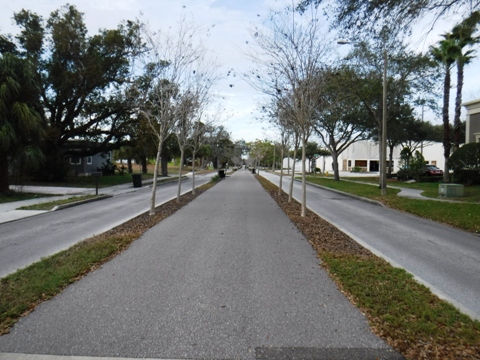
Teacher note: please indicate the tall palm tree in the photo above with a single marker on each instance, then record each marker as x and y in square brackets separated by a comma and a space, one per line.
[463, 36]
[445, 54]
[20, 125]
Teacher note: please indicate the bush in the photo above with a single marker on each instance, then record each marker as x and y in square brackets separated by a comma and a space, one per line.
[356, 169]
[465, 163]
[412, 165]
[108, 168]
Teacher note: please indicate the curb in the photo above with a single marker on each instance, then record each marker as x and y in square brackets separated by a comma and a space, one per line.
[76, 203]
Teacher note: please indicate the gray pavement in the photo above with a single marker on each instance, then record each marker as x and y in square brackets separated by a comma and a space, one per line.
[228, 276]
[9, 212]
[443, 258]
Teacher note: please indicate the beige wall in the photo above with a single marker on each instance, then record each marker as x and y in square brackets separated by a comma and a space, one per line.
[473, 121]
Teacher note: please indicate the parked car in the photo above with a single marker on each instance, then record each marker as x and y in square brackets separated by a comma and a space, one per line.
[432, 170]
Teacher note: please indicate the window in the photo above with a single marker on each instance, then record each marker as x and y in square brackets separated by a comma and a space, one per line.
[76, 160]
[361, 163]
[349, 163]
[89, 160]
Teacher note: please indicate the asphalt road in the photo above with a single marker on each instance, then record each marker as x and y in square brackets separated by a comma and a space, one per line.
[441, 257]
[228, 276]
[26, 241]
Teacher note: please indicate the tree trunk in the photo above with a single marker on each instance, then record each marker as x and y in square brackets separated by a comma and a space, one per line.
[4, 188]
[144, 165]
[290, 191]
[458, 106]
[390, 160]
[304, 177]
[193, 172]
[180, 170]
[164, 165]
[381, 159]
[336, 174]
[129, 165]
[155, 176]
[281, 172]
[446, 124]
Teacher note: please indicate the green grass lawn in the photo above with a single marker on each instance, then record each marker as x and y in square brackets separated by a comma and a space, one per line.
[464, 216]
[430, 189]
[88, 181]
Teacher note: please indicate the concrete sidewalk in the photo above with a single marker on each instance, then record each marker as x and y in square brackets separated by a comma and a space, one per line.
[228, 276]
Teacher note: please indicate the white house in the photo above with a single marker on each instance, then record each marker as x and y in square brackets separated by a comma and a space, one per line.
[365, 155]
[472, 131]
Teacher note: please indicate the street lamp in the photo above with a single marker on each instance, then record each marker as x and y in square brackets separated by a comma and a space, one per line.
[383, 157]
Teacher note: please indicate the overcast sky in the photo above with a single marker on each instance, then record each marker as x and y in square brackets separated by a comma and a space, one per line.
[229, 37]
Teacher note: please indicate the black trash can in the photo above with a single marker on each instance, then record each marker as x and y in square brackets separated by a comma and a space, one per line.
[221, 174]
[253, 171]
[137, 180]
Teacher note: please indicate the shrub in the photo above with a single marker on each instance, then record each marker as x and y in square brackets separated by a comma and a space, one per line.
[412, 166]
[108, 168]
[465, 163]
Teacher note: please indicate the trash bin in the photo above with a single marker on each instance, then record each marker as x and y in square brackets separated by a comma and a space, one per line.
[253, 171]
[221, 174]
[137, 180]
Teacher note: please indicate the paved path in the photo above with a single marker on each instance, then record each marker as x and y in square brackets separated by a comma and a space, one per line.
[228, 276]
[441, 257]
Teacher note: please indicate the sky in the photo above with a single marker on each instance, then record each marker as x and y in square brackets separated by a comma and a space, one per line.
[230, 37]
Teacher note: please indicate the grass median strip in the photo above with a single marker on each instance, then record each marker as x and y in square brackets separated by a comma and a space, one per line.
[23, 290]
[51, 204]
[465, 216]
[401, 311]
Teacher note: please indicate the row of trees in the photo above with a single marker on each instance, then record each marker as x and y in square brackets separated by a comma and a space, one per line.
[59, 84]
[340, 101]
[128, 88]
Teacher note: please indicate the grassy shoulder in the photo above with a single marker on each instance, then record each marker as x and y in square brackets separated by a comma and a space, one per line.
[47, 206]
[23, 290]
[401, 311]
[464, 216]
[430, 189]
[20, 196]
[89, 181]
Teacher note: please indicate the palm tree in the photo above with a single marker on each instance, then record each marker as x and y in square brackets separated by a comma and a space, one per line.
[445, 54]
[462, 35]
[20, 125]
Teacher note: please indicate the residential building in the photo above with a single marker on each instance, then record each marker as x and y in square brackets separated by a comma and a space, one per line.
[472, 131]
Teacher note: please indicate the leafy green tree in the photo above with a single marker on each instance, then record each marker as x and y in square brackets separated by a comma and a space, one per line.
[20, 121]
[81, 80]
[409, 75]
[465, 163]
[463, 36]
[341, 119]
[445, 54]
[358, 15]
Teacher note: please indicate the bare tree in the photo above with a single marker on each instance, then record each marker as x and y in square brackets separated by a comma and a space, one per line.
[167, 72]
[202, 78]
[289, 56]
